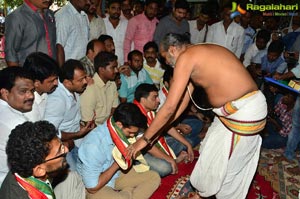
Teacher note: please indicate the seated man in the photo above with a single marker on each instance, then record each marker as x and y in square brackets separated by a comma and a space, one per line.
[34, 152]
[146, 98]
[63, 107]
[16, 98]
[151, 63]
[101, 174]
[93, 48]
[267, 66]
[45, 73]
[138, 75]
[279, 123]
[100, 99]
[259, 46]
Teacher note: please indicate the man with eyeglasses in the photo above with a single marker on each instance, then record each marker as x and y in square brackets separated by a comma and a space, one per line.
[34, 154]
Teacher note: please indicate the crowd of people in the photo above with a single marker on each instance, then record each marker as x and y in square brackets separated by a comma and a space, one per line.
[100, 104]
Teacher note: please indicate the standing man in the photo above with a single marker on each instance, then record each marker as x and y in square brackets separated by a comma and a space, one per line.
[141, 28]
[34, 152]
[100, 99]
[17, 96]
[173, 23]
[96, 23]
[230, 150]
[72, 30]
[199, 27]
[227, 33]
[63, 107]
[116, 27]
[30, 28]
[45, 72]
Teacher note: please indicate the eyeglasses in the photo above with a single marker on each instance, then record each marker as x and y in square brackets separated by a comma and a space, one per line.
[62, 149]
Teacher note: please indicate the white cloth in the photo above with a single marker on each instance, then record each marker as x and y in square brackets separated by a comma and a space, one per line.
[196, 35]
[9, 119]
[233, 39]
[72, 31]
[217, 174]
[118, 35]
[162, 98]
[63, 110]
[38, 107]
[251, 53]
[97, 28]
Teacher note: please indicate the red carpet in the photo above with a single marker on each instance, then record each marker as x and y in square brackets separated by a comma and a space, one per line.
[171, 185]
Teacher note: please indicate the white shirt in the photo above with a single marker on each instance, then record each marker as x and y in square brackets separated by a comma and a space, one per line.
[38, 107]
[63, 110]
[233, 40]
[118, 36]
[251, 53]
[9, 119]
[72, 31]
[196, 35]
[97, 28]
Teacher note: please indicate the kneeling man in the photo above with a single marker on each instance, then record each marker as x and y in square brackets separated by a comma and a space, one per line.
[102, 175]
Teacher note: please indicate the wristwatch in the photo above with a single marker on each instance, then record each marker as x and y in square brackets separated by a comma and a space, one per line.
[148, 141]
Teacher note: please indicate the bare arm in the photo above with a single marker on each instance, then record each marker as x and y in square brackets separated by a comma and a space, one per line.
[173, 132]
[10, 63]
[182, 72]
[104, 178]
[76, 135]
[60, 54]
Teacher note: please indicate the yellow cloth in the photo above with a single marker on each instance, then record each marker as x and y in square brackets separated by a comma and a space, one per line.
[156, 73]
[142, 167]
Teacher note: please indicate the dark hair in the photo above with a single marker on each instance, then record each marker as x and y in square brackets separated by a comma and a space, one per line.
[90, 45]
[183, 4]
[41, 66]
[9, 75]
[113, 1]
[172, 39]
[276, 46]
[227, 5]
[67, 70]
[264, 34]
[168, 74]
[103, 38]
[147, 2]
[28, 146]
[132, 53]
[205, 10]
[130, 115]
[150, 44]
[143, 90]
[103, 59]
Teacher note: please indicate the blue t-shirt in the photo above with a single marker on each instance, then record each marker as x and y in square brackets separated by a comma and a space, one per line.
[130, 83]
[94, 156]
